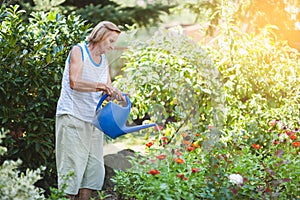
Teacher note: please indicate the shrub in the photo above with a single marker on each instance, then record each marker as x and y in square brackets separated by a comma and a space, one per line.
[172, 81]
[32, 61]
[17, 185]
[258, 151]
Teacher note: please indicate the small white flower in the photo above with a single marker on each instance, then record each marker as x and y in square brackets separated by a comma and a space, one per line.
[236, 178]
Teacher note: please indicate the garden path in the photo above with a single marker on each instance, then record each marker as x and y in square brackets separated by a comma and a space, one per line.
[112, 147]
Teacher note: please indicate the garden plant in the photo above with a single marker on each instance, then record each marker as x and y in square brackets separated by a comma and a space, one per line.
[227, 111]
[228, 114]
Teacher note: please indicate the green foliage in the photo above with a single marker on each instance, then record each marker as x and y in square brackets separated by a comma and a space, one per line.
[186, 170]
[258, 138]
[95, 11]
[32, 61]
[260, 77]
[16, 185]
[142, 16]
[21, 185]
[174, 80]
[250, 15]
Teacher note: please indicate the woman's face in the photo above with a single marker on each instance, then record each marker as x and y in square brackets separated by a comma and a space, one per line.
[109, 43]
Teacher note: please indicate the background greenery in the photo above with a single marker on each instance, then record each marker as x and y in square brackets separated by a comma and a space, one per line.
[243, 75]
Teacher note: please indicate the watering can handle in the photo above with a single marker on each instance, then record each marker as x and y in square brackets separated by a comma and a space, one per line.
[106, 95]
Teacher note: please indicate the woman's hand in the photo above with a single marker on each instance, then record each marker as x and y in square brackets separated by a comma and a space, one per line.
[112, 92]
[118, 95]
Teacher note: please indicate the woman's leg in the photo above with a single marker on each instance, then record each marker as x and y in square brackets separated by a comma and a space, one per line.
[85, 194]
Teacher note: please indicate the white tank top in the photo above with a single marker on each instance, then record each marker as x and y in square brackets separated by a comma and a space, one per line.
[82, 104]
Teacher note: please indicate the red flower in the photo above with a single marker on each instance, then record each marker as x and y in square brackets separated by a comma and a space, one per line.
[293, 137]
[256, 146]
[149, 144]
[181, 176]
[164, 138]
[161, 157]
[275, 142]
[178, 153]
[195, 170]
[179, 160]
[143, 162]
[197, 134]
[154, 172]
[190, 148]
[296, 144]
[210, 127]
[158, 128]
[268, 189]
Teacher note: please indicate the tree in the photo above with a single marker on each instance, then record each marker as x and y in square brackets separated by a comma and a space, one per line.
[252, 16]
[94, 11]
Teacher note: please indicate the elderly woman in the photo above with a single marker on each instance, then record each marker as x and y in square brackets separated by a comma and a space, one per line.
[79, 145]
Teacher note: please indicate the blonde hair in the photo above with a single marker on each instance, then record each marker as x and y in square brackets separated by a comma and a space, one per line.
[101, 31]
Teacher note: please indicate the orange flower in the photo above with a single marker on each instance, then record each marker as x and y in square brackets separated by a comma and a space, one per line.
[149, 144]
[196, 145]
[296, 144]
[186, 142]
[153, 172]
[179, 160]
[184, 135]
[195, 170]
[197, 134]
[161, 157]
[190, 148]
[293, 137]
[256, 146]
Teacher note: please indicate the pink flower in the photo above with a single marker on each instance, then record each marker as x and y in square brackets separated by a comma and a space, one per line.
[272, 122]
[178, 153]
[161, 157]
[158, 128]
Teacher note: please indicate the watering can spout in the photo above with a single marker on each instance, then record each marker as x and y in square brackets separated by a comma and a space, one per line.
[111, 119]
[129, 129]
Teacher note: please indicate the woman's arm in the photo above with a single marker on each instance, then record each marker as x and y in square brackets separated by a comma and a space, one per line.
[76, 81]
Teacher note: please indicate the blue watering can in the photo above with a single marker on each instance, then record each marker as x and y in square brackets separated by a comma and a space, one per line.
[111, 119]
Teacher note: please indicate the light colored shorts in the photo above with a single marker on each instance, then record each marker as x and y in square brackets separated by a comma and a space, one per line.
[79, 149]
